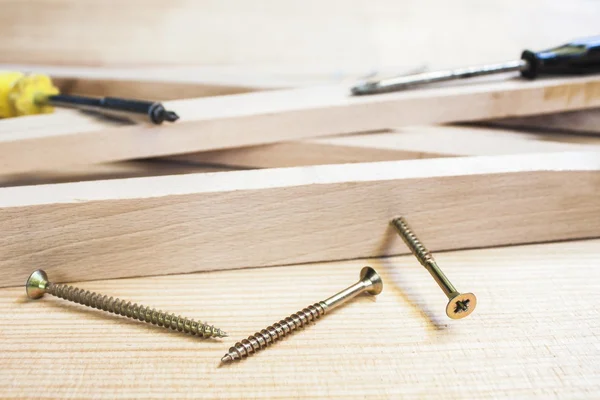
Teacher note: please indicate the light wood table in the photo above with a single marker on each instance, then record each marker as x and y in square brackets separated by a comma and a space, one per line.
[535, 333]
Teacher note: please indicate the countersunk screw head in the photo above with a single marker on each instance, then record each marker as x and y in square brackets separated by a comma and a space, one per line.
[36, 284]
[375, 284]
[461, 305]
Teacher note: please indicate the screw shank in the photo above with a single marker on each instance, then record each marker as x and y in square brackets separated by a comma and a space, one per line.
[133, 311]
[369, 281]
[411, 240]
[424, 256]
[345, 295]
[271, 334]
[441, 279]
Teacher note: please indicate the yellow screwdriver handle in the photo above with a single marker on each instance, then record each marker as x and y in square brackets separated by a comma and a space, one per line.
[22, 94]
[8, 80]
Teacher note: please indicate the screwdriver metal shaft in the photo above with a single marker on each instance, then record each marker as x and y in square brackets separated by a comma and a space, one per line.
[408, 81]
[575, 58]
[154, 111]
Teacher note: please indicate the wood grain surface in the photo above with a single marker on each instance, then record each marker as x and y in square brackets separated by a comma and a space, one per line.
[534, 334]
[224, 220]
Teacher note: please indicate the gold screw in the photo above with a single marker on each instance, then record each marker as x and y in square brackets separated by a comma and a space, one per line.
[369, 282]
[459, 305]
[37, 285]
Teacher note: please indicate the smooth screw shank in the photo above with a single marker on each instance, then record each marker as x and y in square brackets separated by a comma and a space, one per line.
[38, 284]
[369, 282]
[459, 305]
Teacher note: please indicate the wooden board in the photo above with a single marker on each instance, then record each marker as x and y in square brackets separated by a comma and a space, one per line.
[399, 144]
[217, 77]
[147, 83]
[165, 225]
[533, 334]
[143, 90]
[52, 141]
[469, 141]
[122, 170]
[301, 153]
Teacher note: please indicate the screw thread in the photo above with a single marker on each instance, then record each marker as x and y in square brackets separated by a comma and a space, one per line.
[134, 311]
[271, 334]
[411, 240]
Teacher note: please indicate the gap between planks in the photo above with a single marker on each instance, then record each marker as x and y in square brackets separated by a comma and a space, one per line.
[398, 144]
[587, 121]
[119, 170]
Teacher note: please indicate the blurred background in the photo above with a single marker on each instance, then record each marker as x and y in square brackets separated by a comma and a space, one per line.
[287, 40]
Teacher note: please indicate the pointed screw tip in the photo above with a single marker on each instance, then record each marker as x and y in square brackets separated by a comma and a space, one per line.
[226, 359]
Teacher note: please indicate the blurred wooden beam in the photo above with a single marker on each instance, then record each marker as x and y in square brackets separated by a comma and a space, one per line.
[399, 144]
[144, 90]
[52, 141]
[586, 121]
[159, 84]
[120, 170]
[301, 153]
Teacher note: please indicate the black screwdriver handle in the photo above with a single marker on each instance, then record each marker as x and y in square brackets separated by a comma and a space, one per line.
[579, 57]
[155, 111]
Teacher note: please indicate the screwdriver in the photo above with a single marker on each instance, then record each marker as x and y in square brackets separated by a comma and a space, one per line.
[22, 94]
[578, 57]
[156, 112]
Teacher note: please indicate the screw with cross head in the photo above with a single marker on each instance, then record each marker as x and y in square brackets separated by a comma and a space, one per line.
[369, 282]
[37, 285]
[459, 305]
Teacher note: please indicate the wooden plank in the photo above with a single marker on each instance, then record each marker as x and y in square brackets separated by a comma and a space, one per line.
[143, 90]
[122, 170]
[399, 144]
[301, 153]
[176, 224]
[469, 141]
[146, 83]
[533, 335]
[587, 121]
[53, 141]
[243, 78]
